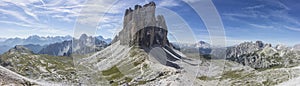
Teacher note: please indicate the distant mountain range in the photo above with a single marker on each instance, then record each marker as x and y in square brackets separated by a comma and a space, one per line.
[200, 47]
[2, 39]
[35, 48]
[108, 40]
[37, 40]
[297, 47]
[85, 44]
[31, 40]
[37, 43]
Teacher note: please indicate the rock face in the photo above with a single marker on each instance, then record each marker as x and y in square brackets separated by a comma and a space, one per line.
[260, 55]
[141, 27]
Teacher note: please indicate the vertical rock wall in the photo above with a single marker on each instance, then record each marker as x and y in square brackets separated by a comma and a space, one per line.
[141, 27]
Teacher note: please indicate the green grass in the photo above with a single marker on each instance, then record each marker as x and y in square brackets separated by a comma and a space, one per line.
[268, 83]
[112, 73]
[232, 74]
[142, 82]
[127, 79]
[205, 78]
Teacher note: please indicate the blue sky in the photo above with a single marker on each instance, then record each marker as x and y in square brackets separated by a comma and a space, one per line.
[272, 21]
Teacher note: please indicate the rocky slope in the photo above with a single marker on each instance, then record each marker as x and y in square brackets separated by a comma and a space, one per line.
[123, 65]
[140, 55]
[260, 55]
[39, 67]
[9, 78]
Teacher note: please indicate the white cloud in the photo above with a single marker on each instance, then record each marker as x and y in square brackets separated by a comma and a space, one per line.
[168, 3]
[236, 15]
[28, 12]
[191, 1]
[292, 28]
[106, 13]
[281, 4]
[23, 33]
[24, 5]
[262, 26]
[15, 14]
[282, 16]
[21, 2]
[255, 7]
[16, 23]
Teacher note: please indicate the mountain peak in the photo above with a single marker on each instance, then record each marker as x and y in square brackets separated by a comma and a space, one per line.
[142, 28]
[83, 36]
[20, 49]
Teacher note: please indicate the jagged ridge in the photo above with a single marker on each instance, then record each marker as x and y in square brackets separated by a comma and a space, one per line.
[141, 27]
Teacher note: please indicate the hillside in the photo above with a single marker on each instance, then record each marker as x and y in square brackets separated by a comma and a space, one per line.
[39, 67]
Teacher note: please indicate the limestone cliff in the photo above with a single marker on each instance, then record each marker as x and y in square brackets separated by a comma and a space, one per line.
[141, 27]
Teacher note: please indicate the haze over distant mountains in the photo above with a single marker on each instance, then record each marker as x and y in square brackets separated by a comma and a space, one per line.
[2, 39]
[85, 44]
[35, 39]
[36, 43]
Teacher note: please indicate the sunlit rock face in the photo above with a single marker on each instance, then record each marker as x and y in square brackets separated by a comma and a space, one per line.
[141, 27]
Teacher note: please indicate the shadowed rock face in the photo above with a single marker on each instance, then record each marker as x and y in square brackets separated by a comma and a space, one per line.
[150, 36]
[141, 27]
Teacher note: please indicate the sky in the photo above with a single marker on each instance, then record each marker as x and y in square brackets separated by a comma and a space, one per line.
[272, 21]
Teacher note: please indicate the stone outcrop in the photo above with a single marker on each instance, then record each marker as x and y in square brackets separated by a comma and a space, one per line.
[141, 27]
[261, 55]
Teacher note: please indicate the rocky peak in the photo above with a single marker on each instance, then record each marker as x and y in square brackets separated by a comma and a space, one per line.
[297, 47]
[142, 27]
[83, 37]
[20, 49]
[34, 37]
[260, 44]
[203, 44]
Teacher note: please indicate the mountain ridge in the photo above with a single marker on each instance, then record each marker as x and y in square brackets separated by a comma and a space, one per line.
[37, 43]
